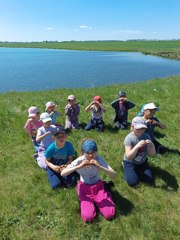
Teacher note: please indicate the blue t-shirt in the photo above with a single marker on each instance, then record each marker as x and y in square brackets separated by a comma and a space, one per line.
[59, 156]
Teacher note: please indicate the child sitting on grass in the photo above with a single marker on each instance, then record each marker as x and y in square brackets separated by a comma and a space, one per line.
[45, 138]
[58, 155]
[147, 112]
[90, 188]
[50, 108]
[137, 145]
[97, 111]
[72, 110]
[31, 126]
[121, 107]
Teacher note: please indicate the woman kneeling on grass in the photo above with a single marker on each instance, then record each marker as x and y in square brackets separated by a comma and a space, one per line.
[90, 188]
[137, 146]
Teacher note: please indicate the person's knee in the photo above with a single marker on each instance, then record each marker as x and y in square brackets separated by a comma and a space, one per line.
[108, 215]
[132, 182]
[88, 217]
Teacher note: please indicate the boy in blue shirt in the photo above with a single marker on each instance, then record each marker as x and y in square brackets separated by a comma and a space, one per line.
[58, 155]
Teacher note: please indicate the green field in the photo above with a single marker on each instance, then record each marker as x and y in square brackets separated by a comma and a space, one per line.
[31, 210]
[169, 49]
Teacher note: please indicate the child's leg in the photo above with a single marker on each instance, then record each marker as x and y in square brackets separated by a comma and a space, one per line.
[41, 160]
[130, 174]
[159, 148]
[89, 126]
[88, 212]
[144, 173]
[103, 200]
[100, 125]
[54, 179]
[68, 124]
[75, 124]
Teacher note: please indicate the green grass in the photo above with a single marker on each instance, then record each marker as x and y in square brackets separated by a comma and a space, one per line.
[31, 210]
[169, 49]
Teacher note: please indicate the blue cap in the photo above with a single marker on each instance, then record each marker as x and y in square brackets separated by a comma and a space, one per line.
[89, 146]
[122, 93]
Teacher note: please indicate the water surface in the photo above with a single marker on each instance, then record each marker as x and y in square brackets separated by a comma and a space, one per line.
[23, 69]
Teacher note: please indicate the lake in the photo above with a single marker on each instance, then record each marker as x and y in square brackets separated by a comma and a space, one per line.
[23, 69]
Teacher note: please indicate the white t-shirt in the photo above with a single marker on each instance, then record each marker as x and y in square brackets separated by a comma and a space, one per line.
[89, 174]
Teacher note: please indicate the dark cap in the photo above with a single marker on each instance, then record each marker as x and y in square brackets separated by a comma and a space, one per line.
[122, 93]
[59, 129]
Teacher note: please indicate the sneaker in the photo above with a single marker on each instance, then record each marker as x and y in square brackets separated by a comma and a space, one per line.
[35, 155]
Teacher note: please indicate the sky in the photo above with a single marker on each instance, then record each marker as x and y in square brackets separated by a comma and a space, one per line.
[83, 20]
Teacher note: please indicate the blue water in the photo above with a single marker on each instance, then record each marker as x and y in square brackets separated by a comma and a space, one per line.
[23, 69]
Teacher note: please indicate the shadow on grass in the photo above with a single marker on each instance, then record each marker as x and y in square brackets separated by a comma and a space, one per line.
[174, 151]
[159, 135]
[169, 181]
[123, 205]
[112, 129]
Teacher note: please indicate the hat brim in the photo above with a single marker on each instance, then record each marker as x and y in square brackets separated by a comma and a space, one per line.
[46, 120]
[139, 126]
[32, 115]
[63, 132]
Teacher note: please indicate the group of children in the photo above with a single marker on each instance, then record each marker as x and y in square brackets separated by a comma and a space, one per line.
[54, 153]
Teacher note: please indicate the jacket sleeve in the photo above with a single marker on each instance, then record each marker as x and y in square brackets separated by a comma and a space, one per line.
[130, 104]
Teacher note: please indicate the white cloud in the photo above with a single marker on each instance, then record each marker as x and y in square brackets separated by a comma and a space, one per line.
[128, 31]
[49, 28]
[85, 27]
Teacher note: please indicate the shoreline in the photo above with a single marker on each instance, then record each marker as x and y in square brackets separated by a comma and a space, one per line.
[167, 49]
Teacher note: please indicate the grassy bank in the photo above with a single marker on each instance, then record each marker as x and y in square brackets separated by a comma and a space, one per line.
[31, 210]
[169, 49]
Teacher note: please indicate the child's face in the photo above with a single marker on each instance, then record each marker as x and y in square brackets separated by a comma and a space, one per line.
[91, 155]
[149, 113]
[139, 132]
[71, 101]
[51, 109]
[61, 138]
[47, 124]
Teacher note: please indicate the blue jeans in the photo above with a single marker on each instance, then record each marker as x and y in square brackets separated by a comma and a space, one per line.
[96, 124]
[137, 173]
[56, 180]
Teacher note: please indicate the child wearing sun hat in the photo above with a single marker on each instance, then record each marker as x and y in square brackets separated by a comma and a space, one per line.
[147, 112]
[31, 126]
[51, 109]
[138, 145]
[72, 111]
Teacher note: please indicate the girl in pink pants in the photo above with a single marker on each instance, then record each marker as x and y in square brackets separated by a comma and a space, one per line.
[90, 187]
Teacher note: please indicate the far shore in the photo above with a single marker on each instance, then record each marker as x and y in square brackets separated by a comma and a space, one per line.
[162, 48]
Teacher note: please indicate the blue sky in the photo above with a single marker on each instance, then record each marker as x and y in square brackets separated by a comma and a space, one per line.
[66, 20]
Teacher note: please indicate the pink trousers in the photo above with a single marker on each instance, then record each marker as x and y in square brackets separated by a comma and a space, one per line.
[91, 195]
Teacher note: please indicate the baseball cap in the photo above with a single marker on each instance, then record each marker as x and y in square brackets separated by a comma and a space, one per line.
[122, 93]
[97, 99]
[45, 117]
[71, 97]
[89, 146]
[32, 111]
[50, 104]
[59, 129]
[138, 122]
[150, 106]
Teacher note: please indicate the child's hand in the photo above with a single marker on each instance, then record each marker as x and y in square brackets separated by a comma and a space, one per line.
[62, 167]
[148, 141]
[84, 163]
[141, 143]
[94, 162]
[149, 121]
[56, 169]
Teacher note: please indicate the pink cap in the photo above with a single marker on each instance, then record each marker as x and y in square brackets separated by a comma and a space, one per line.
[50, 104]
[32, 111]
